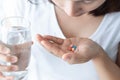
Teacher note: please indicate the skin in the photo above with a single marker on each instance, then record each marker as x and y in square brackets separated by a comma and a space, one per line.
[77, 7]
[72, 15]
[118, 57]
[76, 13]
[13, 54]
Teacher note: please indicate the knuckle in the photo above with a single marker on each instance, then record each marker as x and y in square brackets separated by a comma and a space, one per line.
[3, 57]
[12, 68]
[4, 49]
[8, 68]
[3, 68]
[11, 59]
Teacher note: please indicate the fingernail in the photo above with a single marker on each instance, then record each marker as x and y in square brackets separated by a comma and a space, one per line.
[13, 59]
[5, 50]
[43, 42]
[14, 68]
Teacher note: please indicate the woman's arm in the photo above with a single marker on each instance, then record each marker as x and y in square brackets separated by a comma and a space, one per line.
[106, 68]
[118, 57]
[86, 50]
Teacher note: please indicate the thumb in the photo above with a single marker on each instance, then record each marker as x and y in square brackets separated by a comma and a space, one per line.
[39, 38]
[73, 58]
[67, 57]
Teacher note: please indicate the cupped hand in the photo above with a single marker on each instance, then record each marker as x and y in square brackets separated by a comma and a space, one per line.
[85, 51]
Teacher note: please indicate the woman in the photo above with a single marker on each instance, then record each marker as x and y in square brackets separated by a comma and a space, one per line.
[84, 33]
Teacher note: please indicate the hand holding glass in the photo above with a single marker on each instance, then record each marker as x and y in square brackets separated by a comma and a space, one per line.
[15, 33]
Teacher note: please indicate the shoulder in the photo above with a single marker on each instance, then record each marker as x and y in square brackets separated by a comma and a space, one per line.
[113, 19]
[112, 25]
[114, 15]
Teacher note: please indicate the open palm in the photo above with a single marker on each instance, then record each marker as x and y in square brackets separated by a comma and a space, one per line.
[85, 51]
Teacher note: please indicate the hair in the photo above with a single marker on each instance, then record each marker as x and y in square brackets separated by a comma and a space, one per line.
[108, 6]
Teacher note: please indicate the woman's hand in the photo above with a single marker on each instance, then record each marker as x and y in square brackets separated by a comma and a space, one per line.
[15, 54]
[7, 57]
[85, 51]
[2, 77]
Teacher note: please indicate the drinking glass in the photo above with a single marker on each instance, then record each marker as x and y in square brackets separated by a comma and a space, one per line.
[15, 31]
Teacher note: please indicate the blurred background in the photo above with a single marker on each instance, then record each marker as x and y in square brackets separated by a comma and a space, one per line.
[6, 8]
[1, 10]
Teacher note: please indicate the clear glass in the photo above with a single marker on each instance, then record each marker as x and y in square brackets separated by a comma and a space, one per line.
[16, 31]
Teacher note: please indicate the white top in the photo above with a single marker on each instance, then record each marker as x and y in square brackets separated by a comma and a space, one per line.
[45, 66]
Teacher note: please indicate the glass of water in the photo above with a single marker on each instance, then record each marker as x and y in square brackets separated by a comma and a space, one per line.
[15, 31]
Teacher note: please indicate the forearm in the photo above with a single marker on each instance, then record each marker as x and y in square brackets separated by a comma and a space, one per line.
[106, 68]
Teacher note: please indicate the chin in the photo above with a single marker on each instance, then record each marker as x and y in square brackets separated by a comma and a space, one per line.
[77, 14]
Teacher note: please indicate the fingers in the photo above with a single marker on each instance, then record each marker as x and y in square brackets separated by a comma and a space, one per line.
[39, 38]
[6, 78]
[8, 68]
[2, 77]
[8, 59]
[73, 58]
[52, 48]
[54, 39]
[49, 38]
[11, 59]
[5, 54]
[4, 49]
[48, 43]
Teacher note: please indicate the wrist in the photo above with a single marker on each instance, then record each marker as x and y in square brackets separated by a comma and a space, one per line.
[105, 67]
[101, 56]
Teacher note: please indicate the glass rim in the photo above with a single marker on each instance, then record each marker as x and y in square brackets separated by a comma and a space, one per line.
[15, 17]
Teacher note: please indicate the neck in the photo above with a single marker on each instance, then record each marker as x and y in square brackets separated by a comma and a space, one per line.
[79, 26]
